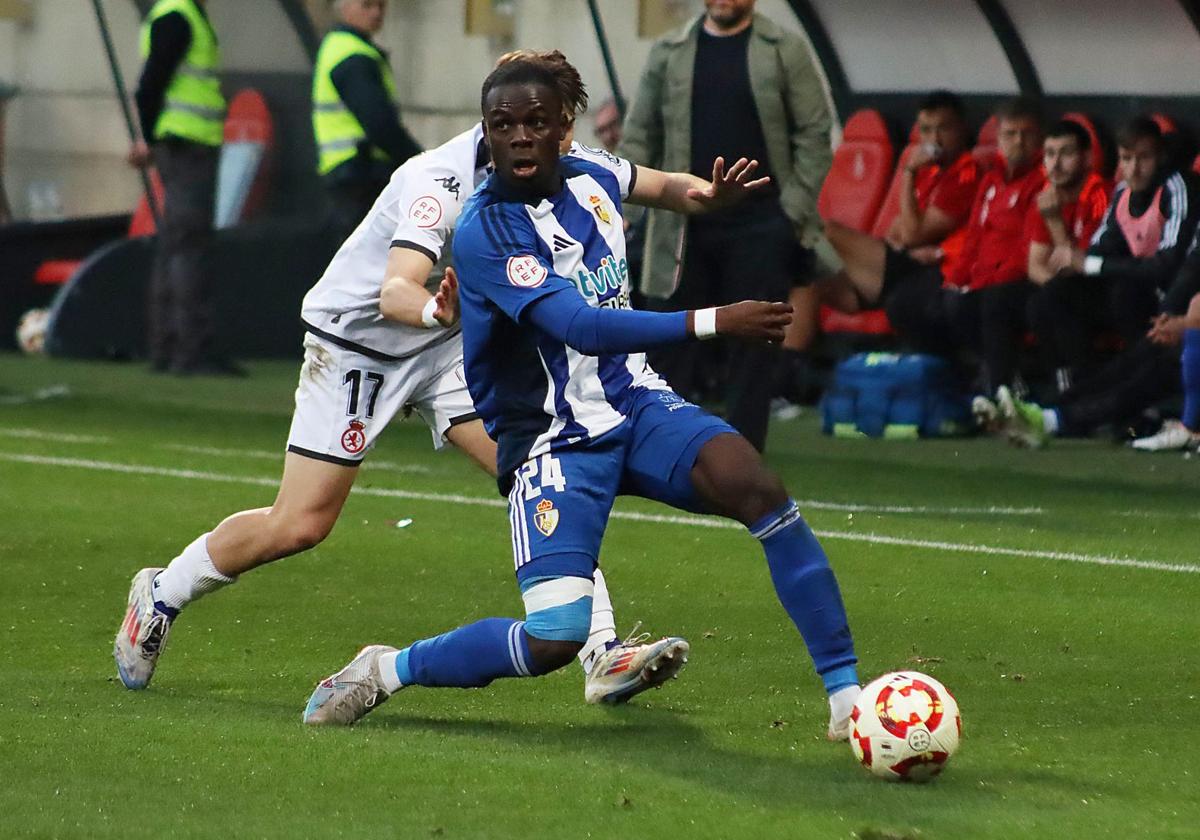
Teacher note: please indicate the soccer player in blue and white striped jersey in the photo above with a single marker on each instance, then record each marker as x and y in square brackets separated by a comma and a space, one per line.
[555, 368]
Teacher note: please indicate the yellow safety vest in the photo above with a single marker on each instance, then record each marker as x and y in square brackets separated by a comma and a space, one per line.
[194, 108]
[337, 130]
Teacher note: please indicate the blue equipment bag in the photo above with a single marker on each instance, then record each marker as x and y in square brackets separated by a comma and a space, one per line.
[895, 396]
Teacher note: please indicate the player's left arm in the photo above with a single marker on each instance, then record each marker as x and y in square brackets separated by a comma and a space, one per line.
[683, 192]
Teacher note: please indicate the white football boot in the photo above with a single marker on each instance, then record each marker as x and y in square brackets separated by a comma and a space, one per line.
[1172, 436]
[344, 697]
[634, 666]
[143, 633]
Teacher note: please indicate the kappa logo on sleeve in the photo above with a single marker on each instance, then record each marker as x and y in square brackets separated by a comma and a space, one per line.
[426, 211]
[526, 272]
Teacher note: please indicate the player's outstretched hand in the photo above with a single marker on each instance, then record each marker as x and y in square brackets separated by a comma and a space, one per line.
[447, 299]
[730, 187]
[754, 319]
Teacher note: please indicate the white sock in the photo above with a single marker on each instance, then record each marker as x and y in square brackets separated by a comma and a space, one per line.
[387, 672]
[189, 576]
[841, 702]
[604, 627]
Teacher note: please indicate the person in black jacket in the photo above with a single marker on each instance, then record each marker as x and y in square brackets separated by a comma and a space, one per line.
[1147, 371]
[1134, 256]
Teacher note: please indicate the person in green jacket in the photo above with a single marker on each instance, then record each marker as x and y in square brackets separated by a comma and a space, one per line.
[732, 84]
[360, 139]
[182, 112]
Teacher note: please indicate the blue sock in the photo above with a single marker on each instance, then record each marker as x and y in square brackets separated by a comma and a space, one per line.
[469, 657]
[1191, 379]
[809, 592]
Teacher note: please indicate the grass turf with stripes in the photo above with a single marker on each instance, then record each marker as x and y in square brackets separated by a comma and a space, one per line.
[1069, 639]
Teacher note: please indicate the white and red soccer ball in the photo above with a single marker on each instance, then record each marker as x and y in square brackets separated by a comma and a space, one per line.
[31, 331]
[905, 726]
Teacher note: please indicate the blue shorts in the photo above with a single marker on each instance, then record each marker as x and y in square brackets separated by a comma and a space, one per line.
[560, 501]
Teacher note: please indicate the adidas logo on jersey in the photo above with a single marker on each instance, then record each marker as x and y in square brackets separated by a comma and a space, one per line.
[561, 243]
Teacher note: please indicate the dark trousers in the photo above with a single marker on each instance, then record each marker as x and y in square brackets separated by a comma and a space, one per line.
[990, 322]
[350, 200]
[180, 300]
[750, 257]
[1068, 313]
[1117, 392]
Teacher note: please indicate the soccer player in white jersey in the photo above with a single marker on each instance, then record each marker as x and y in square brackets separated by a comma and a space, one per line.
[555, 365]
[375, 347]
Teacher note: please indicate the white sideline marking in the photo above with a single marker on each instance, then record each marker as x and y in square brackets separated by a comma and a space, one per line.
[420, 469]
[992, 510]
[57, 437]
[701, 521]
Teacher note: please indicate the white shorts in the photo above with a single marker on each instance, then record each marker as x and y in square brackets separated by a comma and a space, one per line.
[345, 399]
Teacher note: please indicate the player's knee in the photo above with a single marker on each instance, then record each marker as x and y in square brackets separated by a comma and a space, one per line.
[558, 618]
[300, 533]
[735, 482]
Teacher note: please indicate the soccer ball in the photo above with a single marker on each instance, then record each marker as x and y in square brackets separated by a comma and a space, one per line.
[905, 726]
[31, 331]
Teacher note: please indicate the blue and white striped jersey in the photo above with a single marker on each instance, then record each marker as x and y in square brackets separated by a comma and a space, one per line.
[535, 393]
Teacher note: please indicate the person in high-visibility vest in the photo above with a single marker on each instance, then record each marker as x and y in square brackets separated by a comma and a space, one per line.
[360, 139]
[182, 113]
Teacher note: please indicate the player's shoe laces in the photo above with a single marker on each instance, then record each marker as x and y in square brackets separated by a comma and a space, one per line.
[349, 694]
[634, 666]
[1023, 423]
[1173, 435]
[143, 633]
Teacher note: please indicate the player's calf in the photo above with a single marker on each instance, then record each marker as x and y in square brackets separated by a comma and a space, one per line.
[730, 476]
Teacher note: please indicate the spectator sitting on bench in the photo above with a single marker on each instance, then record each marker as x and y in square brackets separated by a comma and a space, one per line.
[1138, 377]
[1134, 254]
[942, 317]
[938, 184]
[1069, 210]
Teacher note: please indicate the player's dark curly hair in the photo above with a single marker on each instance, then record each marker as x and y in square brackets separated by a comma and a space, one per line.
[547, 67]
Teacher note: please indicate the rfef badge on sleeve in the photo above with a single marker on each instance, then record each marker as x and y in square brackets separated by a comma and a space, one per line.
[525, 272]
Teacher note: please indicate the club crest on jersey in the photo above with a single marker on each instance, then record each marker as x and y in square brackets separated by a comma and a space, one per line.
[599, 209]
[526, 272]
[354, 439]
[546, 518]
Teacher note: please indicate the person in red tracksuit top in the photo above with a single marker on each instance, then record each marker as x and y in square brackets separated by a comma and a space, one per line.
[942, 315]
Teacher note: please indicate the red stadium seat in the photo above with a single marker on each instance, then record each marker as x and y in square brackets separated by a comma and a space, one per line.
[1165, 124]
[867, 322]
[1098, 161]
[1196, 165]
[986, 147]
[858, 177]
[890, 208]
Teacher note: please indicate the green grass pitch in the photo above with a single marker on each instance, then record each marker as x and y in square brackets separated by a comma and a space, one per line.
[1055, 593]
